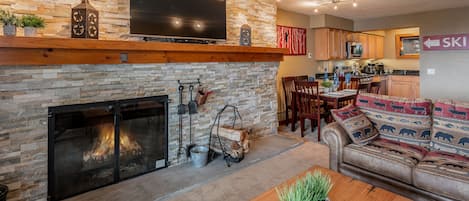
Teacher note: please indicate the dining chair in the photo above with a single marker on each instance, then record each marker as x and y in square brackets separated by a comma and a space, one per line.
[288, 84]
[375, 87]
[362, 87]
[353, 83]
[309, 105]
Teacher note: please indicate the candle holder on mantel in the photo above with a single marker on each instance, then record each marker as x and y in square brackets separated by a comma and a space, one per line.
[85, 21]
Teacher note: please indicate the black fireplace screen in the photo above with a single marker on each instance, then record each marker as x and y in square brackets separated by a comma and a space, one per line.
[97, 144]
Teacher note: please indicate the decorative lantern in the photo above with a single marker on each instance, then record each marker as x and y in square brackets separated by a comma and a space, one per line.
[85, 21]
[245, 35]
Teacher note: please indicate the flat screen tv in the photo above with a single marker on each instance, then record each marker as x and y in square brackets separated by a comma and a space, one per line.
[180, 19]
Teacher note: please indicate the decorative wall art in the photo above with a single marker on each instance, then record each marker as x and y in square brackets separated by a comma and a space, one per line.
[292, 38]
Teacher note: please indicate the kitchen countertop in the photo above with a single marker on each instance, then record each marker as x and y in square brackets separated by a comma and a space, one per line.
[363, 75]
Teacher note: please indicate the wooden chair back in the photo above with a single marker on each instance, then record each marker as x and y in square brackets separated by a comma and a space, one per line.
[353, 84]
[307, 99]
[375, 87]
[362, 87]
[288, 84]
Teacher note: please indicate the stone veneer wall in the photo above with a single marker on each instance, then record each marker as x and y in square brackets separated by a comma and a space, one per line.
[27, 92]
[115, 15]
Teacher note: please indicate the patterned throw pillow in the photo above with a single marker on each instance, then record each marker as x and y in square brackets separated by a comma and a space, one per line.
[358, 127]
[451, 127]
[400, 119]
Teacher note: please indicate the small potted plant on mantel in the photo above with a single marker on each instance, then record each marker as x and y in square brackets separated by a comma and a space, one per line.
[10, 21]
[31, 23]
[313, 187]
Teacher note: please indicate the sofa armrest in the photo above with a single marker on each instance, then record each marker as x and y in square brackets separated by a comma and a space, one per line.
[336, 138]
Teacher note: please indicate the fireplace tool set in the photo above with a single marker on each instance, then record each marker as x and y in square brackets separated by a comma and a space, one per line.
[190, 108]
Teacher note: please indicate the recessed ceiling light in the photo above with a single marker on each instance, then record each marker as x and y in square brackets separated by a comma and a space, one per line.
[336, 7]
[355, 4]
[316, 10]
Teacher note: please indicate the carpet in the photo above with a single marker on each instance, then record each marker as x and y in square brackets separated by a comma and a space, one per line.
[252, 181]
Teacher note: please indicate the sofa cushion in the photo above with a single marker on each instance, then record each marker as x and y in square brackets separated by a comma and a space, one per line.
[451, 127]
[356, 124]
[445, 174]
[386, 157]
[399, 119]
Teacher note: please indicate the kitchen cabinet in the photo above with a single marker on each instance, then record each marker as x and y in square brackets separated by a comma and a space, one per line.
[372, 46]
[363, 38]
[404, 86]
[379, 47]
[329, 44]
[353, 37]
[321, 44]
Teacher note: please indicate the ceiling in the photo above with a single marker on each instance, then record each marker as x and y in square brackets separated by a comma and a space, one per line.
[368, 8]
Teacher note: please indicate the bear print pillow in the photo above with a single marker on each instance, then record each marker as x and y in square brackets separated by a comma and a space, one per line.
[357, 125]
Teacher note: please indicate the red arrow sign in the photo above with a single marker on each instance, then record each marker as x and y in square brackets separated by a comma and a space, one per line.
[446, 42]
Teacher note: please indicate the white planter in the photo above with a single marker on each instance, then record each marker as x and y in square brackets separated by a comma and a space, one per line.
[30, 31]
[9, 30]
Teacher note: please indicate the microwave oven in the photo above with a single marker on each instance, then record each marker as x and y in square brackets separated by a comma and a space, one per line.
[354, 50]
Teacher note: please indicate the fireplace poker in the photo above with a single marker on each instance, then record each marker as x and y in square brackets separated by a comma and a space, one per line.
[192, 110]
[181, 111]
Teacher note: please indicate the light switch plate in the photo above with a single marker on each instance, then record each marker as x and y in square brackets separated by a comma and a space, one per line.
[310, 55]
[431, 71]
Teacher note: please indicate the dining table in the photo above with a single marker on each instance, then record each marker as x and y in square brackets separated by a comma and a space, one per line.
[331, 100]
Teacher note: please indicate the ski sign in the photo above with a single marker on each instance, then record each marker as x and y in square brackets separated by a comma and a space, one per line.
[446, 42]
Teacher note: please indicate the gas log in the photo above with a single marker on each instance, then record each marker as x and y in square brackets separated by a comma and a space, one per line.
[234, 141]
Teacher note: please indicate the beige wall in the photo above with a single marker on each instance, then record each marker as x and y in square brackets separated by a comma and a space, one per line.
[390, 60]
[294, 65]
[115, 16]
[451, 66]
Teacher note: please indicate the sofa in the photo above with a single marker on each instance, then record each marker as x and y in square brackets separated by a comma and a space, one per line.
[421, 149]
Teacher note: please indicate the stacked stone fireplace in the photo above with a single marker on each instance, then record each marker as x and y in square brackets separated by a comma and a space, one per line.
[28, 94]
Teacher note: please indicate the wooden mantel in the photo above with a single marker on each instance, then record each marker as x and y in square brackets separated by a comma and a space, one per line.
[55, 51]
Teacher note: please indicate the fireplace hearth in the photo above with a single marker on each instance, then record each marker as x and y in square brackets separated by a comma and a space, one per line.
[97, 144]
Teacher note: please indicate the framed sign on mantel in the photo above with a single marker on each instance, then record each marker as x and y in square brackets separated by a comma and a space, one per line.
[293, 38]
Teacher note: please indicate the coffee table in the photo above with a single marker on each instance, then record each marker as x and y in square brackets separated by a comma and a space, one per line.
[344, 189]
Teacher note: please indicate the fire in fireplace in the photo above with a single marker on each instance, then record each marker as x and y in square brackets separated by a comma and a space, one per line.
[97, 144]
[103, 146]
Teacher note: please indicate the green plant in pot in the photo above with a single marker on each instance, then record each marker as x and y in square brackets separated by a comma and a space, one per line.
[313, 187]
[10, 21]
[327, 85]
[31, 23]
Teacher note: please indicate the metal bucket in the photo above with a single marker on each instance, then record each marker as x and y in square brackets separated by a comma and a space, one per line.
[199, 156]
[3, 192]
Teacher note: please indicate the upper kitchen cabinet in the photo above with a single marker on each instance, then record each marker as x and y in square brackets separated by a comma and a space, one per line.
[371, 46]
[363, 39]
[379, 47]
[329, 44]
[375, 47]
[353, 37]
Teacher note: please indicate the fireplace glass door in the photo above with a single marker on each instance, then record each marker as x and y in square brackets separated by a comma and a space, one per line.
[84, 153]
